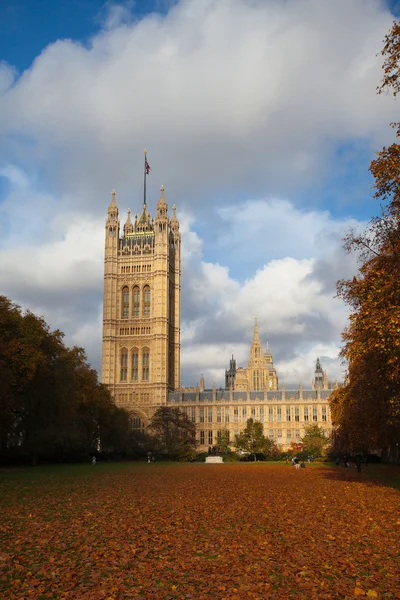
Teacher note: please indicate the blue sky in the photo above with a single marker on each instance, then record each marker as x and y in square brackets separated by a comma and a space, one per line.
[260, 118]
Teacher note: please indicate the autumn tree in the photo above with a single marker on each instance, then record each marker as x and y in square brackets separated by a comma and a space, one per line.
[174, 434]
[252, 440]
[366, 411]
[314, 440]
[51, 404]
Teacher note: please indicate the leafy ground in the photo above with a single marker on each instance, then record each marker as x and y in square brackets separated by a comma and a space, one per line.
[197, 531]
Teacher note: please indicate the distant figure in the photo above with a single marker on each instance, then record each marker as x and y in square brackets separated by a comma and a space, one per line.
[93, 460]
[358, 463]
[297, 466]
[337, 461]
[287, 460]
[303, 465]
[209, 450]
[149, 457]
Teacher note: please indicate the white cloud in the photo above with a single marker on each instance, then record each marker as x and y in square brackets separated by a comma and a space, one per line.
[233, 99]
[228, 93]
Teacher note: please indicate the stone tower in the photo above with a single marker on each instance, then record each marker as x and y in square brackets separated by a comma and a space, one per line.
[260, 373]
[320, 380]
[141, 317]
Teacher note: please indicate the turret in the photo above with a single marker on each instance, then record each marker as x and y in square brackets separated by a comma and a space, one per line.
[128, 227]
[112, 223]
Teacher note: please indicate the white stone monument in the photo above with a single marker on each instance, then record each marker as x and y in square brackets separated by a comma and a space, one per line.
[214, 459]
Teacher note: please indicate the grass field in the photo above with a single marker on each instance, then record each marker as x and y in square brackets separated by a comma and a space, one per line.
[193, 531]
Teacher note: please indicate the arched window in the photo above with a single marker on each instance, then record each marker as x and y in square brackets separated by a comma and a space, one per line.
[124, 365]
[137, 423]
[146, 364]
[136, 301]
[135, 365]
[146, 301]
[125, 303]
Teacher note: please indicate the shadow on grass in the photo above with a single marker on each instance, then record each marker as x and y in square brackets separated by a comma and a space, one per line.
[381, 475]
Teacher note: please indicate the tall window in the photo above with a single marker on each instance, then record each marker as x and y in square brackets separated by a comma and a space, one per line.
[306, 413]
[124, 364]
[314, 414]
[262, 414]
[271, 435]
[136, 302]
[202, 436]
[125, 302]
[146, 301]
[135, 365]
[270, 415]
[210, 437]
[288, 414]
[244, 415]
[202, 415]
[297, 436]
[279, 415]
[146, 364]
[297, 414]
[219, 419]
[209, 418]
[288, 436]
[279, 436]
[324, 413]
[227, 415]
[193, 415]
[253, 414]
[235, 415]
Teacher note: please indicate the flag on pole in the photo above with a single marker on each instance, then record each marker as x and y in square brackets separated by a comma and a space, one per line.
[147, 166]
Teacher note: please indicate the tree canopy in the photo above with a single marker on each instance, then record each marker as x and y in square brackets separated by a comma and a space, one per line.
[174, 434]
[314, 440]
[51, 404]
[366, 411]
[253, 441]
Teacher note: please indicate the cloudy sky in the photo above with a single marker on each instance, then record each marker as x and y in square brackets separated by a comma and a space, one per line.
[260, 117]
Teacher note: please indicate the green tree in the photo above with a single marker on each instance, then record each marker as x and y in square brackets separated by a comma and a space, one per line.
[174, 434]
[252, 440]
[314, 440]
[223, 442]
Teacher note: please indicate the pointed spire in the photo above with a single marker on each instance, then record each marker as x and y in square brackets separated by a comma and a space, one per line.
[113, 208]
[174, 220]
[268, 353]
[162, 206]
[256, 337]
[128, 227]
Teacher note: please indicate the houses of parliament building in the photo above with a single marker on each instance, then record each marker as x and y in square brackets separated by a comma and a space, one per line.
[141, 344]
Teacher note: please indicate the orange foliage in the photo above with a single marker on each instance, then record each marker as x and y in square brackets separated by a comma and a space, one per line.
[199, 531]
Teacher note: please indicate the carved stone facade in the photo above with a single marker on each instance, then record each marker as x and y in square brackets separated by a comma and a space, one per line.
[141, 344]
[141, 314]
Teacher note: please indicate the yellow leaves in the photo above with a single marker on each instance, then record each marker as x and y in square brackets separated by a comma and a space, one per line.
[360, 592]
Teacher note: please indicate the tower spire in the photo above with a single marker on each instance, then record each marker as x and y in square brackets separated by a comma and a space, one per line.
[256, 336]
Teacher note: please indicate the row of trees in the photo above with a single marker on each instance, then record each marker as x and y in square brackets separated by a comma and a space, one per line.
[253, 442]
[366, 411]
[51, 404]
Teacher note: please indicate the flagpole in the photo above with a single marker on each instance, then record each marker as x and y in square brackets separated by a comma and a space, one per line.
[144, 186]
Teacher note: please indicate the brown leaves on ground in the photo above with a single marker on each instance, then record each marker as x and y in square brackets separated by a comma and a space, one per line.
[198, 531]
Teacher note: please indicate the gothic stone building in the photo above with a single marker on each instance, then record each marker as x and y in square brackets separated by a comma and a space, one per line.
[141, 344]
